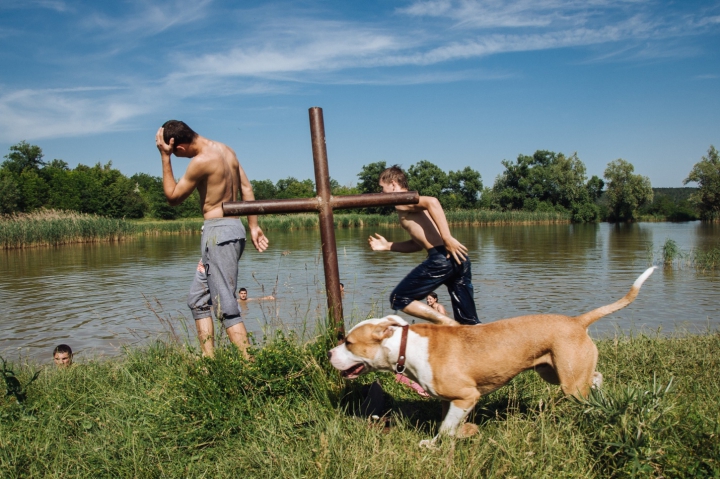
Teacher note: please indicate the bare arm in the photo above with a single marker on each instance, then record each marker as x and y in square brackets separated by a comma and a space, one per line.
[453, 246]
[175, 192]
[379, 243]
[259, 240]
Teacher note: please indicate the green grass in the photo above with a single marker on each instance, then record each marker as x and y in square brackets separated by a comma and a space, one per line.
[53, 228]
[162, 411]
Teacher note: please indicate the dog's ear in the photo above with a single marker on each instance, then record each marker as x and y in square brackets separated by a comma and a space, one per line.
[383, 330]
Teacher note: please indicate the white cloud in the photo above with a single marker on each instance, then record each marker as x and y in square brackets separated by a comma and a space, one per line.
[275, 51]
[33, 114]
[56, 5]
[149, 17]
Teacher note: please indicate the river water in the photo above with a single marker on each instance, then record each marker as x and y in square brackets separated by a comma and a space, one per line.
[100, 298]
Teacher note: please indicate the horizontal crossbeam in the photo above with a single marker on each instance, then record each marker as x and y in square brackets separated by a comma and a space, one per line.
[305, 205]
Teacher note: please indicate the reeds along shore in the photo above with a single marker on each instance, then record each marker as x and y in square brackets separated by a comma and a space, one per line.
[162, 411]
[51, 228]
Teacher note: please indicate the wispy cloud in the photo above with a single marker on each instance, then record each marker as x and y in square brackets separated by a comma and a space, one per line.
[34, 114]
[56, 5]
[149, 18]
[277, 49]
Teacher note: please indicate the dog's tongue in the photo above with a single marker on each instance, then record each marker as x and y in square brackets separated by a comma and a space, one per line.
[354, 371]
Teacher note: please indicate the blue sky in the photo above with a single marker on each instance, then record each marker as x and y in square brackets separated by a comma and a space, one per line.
[458, 83]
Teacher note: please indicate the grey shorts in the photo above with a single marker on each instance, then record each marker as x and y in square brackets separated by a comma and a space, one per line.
[214, 287]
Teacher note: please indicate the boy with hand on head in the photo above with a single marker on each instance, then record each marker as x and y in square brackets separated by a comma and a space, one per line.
[447, 262]
[215, 172]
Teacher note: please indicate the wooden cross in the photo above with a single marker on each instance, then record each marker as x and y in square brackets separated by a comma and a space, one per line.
[323, 203]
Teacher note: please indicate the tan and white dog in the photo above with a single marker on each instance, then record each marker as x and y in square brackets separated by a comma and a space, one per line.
[458, 364]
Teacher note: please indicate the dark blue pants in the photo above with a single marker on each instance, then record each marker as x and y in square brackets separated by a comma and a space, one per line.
[436, 270]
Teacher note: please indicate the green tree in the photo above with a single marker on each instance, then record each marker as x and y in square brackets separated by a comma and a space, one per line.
[595, 186]
[626, 192]
[368, 183]
[150, 189]
[369, 176]
[546, 181]
[33, 189]
[464, 187]
[22, 157]
[264, 189]
[9, 193]
[427, 179]
[291, 187]
[342, 190]
[63, 189]
[706, 173]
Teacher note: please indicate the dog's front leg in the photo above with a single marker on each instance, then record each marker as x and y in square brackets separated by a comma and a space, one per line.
[457, 411]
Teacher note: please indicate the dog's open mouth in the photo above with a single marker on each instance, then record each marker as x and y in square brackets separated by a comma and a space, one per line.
[353, 372]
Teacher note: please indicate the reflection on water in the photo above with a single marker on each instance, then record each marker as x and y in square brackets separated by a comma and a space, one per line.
[100, 297]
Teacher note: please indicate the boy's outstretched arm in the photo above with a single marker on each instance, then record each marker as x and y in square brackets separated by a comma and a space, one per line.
[453, 246]
[379, 243]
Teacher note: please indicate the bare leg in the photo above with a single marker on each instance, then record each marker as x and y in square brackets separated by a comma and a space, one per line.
[206, 335]
[238, 336]
[423, 311]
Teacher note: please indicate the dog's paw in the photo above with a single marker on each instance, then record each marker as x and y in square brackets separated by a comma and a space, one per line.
[467, 430]
[428, 444]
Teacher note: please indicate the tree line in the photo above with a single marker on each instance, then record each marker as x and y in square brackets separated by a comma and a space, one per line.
[543, 181]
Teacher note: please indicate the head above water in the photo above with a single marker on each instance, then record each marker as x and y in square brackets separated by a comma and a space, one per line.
[62, 355]
[242, 293]
[396, 174]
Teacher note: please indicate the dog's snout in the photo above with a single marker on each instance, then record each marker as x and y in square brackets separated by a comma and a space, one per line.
[329, 355]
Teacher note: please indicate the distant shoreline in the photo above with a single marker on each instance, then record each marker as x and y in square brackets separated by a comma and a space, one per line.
[55, 228]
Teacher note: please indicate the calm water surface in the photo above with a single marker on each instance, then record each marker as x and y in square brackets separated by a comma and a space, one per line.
[100, 298]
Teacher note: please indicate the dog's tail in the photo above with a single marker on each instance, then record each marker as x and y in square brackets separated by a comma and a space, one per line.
[590, 317]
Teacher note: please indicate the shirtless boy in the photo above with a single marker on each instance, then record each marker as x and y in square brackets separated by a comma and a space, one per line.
[447, 262]
[432, 301]
[243, 296]
[216, 173]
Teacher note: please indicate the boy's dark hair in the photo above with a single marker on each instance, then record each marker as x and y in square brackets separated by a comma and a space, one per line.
[241, 290]
[62, 348]
[179, 130]
[434, 295]
[396, 174]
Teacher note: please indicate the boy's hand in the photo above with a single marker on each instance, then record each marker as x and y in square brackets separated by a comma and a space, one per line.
[259, 240]
[165, 148]
[378, 243]
[456, 249]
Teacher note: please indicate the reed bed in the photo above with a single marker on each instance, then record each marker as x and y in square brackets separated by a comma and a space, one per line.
[156, 228]
[492, 217]
[53, 227]
[162, 411]
[672, 256]
[459, 218]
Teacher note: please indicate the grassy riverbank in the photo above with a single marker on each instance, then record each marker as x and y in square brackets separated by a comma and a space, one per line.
[163, 412]
[53, 228]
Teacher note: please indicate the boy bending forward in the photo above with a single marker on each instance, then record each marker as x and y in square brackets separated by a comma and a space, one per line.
[447, 262]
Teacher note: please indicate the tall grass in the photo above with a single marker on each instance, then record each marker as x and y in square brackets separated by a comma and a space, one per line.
[162, 411]
[51, 227]
[671, 255]
[459, 218]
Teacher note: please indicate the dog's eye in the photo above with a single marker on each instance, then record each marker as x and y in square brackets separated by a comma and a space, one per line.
[348, 343]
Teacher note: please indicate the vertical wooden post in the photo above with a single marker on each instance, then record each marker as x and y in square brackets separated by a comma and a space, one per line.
[327, 226]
